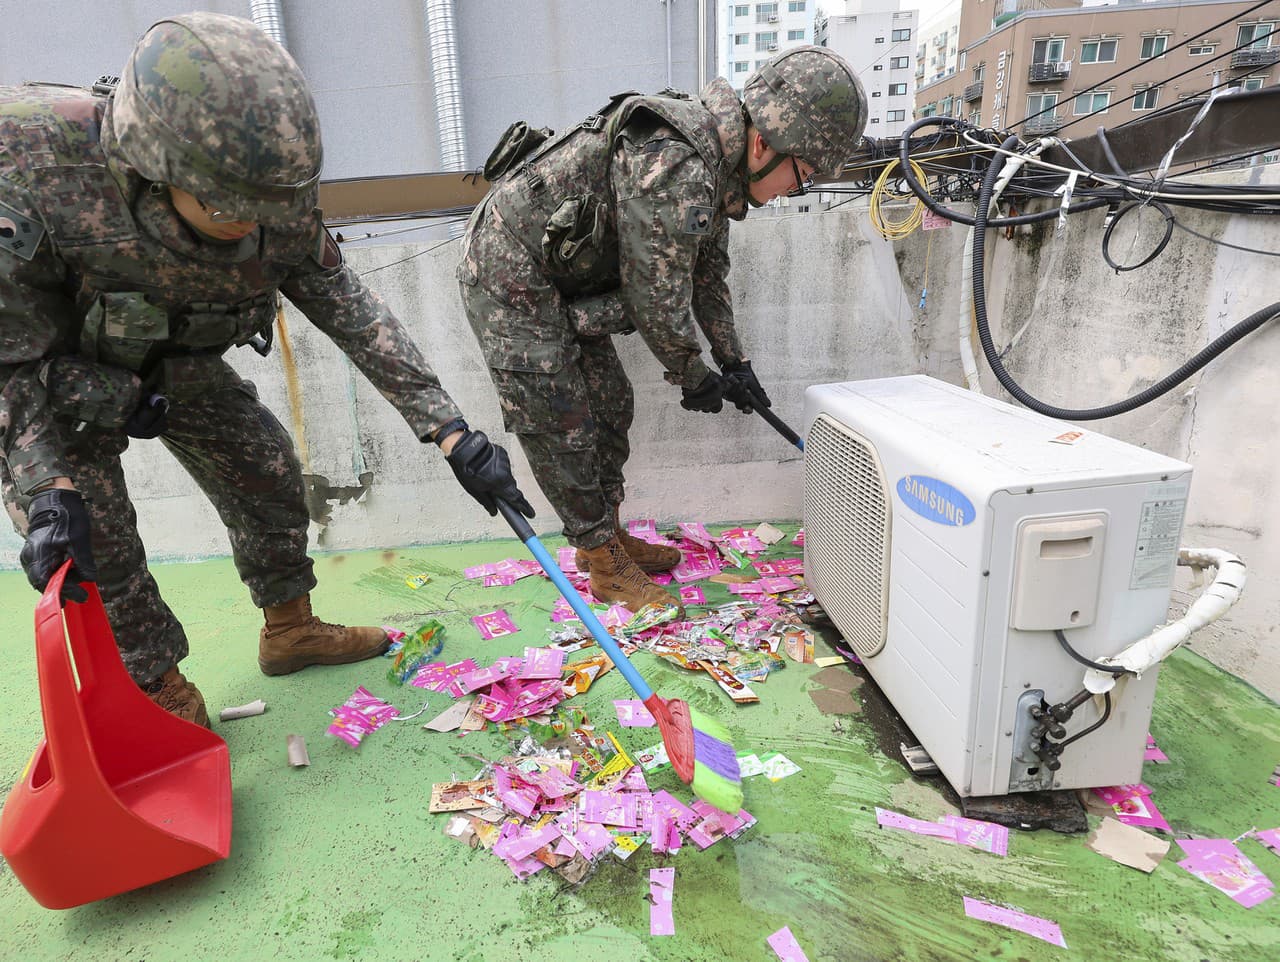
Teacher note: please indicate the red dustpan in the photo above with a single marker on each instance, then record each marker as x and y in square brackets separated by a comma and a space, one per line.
[120, 793]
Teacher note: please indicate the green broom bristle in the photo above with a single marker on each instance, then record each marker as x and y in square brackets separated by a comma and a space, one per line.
[710, 781]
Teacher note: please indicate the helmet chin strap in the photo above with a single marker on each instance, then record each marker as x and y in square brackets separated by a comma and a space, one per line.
[759, 175]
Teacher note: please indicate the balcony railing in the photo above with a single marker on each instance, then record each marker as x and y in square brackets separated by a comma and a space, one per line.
[1255, 57]
[973, 92]
[1044, 124]
[1048, 72]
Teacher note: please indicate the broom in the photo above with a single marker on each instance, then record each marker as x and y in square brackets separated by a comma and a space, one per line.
[699, 747]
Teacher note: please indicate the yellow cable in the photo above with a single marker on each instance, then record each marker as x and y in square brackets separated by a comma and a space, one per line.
[896, 229]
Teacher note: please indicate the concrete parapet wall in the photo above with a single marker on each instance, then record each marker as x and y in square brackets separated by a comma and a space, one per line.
[819, 298]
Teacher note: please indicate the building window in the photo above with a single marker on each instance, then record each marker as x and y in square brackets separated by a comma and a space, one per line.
[1204, 50]
[895, 115]
[1255, 35]
[741, 67]
[742, 10]
[767, 40]
[979, 72]
[741, 39]
[765, 12]
[964, 58]
[900, 35]
[897, 90]
[899, 63]
[878, 66]
[1047, 51]
[1146, 99]
[975, 118]
[874, 120]
[1153, 46]
[795, 34]
[875, 93]
[1253, 83]
[1098, 51]
[879, 39]
[795, 6]
[1092, 103]
[1041, 104]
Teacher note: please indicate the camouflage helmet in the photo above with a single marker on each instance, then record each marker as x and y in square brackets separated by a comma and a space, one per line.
[212, 105]
[808, 103]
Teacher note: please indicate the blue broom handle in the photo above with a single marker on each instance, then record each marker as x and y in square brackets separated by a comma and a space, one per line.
[525, 533]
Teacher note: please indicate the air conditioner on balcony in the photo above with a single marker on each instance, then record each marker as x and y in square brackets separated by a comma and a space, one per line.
[773, 46]
[948, 535]
[1062, 67]
[773, 18]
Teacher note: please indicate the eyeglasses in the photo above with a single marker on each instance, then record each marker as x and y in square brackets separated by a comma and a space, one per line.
[218, 216]
[803, 185]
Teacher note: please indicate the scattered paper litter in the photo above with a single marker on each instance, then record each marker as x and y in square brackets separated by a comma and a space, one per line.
[633, 714]
[451, 718]
[828, 660]
[768, 534]
[494, 624]
[243, 711]
[1013, 919]
[1133, 806]
[969, 832]
[661, 919]
[1127, 845]
[359, 715]
[776, 766]
[785, 946]
[296, 749]
[1218, 862]
[1154, 754]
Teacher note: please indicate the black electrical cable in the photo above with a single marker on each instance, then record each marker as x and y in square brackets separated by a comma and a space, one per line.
[1159, 248]
[909, 178]
[1106, 713]
[1109, 669]
[1211, 351]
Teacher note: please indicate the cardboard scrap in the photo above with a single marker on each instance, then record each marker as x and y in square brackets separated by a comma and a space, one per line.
[451, 718]
[1127, 845]
[832, 702]
[296, 748]
[768, 534]
[459, 796]
[838, 679]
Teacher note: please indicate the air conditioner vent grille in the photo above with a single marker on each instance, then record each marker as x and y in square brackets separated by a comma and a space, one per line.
[847, 532]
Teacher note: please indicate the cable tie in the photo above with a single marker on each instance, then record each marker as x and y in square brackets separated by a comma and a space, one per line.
[1066, 190]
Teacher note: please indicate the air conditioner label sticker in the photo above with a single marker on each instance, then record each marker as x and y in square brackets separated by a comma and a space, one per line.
[935, 500]
[1159, 529]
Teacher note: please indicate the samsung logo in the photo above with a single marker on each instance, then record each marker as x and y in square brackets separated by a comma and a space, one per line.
[935, 500]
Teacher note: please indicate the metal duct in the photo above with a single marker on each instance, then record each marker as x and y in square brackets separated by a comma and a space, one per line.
[269, 16]
[448, 90]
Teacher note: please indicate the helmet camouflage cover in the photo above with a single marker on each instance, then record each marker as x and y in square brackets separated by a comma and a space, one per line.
[212, 105]
[808, 103]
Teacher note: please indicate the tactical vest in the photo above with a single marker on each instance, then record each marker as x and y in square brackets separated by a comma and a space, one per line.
[142, 306]
[558, 201]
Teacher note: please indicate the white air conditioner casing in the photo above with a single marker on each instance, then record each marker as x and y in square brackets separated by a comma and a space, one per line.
[948, 534]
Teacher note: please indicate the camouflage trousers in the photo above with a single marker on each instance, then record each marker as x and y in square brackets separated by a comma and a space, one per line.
[564, 395]
[243, 460]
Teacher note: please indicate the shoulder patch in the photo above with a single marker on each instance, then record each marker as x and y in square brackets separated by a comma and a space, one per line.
[19, 234]
[698, 219]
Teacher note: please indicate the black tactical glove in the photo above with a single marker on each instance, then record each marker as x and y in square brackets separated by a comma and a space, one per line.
[150, 419]
[484, 469]
[744, 390]
[708, 396]
[58, 529]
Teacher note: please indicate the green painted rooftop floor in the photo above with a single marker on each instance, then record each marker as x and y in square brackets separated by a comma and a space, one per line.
[342, 860]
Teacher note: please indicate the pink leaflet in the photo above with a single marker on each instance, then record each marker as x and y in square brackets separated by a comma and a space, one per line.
[542, 663]
[888, 819]
[661, 883]
[1013, 919]
[785, 946]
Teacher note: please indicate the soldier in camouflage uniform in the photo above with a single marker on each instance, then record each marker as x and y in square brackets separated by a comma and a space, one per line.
[142, 234]
[621, 224]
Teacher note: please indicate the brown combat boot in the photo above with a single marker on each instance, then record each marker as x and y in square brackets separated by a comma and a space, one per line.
[650, 558]
[172, 692]
[616, 578]
[294, 638]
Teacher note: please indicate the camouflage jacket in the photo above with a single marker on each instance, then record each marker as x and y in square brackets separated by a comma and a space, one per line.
[103, 287]
[629, 214]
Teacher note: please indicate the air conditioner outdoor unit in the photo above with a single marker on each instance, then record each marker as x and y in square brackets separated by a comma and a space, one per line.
[773, 46]
[948, 535]
[1062, 67]
[773, 18]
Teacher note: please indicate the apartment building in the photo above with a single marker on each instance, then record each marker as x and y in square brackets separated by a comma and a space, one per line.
[1047, 70]
[878, 38]
[751, 33]
[938, 51]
